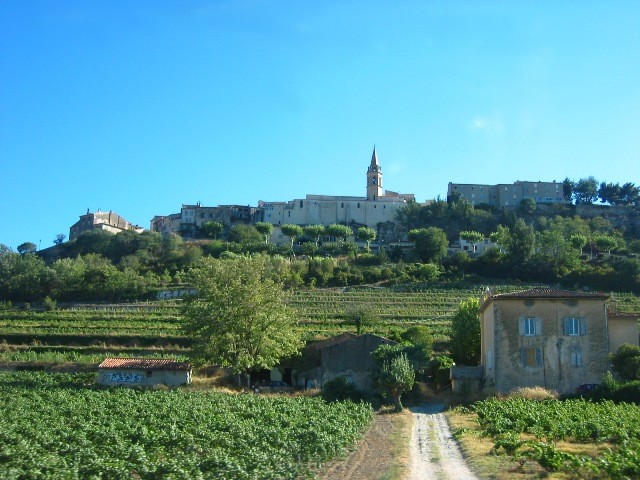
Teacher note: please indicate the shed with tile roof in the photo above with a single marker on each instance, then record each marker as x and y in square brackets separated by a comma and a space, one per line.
[141, 372]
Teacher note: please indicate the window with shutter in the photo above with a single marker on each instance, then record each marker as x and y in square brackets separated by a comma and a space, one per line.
[576, 357]
[528, 326]
[575, 326]
[531, 357]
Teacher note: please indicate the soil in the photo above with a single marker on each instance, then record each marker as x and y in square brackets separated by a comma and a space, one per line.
[376, 456]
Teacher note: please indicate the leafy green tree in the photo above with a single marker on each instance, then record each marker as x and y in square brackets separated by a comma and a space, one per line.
[465, 333]
[239, 317]
[360, 316]
[430, 244]
[245, 234]
[472, 237]
[292, 231]
[27, 247]
[609, 193]
[309, 249]
[629, 194]
[366, 234]
[339, 231]
[578, 241]
[212, 229]
[314, 231]
[605, 242]
[626, 362]
[266, 229]
[585, 192]
[521, 242]
[395, 377]
[634, 246]
[567, 189]
[527, 206]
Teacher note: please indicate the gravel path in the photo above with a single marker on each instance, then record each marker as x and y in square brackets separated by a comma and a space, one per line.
[434, 452]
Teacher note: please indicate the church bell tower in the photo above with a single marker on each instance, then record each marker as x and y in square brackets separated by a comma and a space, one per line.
[374, 178]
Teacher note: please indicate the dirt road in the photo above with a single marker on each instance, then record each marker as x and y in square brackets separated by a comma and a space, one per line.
[434, 452]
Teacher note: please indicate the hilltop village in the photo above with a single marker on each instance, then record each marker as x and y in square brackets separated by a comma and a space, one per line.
[376, 210]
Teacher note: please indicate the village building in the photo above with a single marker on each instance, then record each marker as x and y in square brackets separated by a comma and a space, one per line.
[556, 339]
[507, 194]
[375, 210]
[188, 223]
[108, 221]
[143, 372]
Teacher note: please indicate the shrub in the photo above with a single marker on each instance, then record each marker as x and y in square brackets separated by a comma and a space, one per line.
[626, 362]
[340, 389]
[440, 369]
[49, 304]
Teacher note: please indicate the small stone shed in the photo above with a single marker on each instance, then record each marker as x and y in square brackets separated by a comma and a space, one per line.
[345, 355]
[143, 372]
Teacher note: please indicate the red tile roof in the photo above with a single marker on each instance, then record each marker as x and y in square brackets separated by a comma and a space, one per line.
[551, 293]
[144, 364]
[543, 294]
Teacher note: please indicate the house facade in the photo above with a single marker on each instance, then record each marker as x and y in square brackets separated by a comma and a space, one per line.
[555, 339]
[143, 372]
[507, 194]
[107, 221]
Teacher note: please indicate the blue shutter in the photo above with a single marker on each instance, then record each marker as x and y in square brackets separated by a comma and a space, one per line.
[523, 357]
[538, 322]
[521, 325]
[583, 326]
[539, 357]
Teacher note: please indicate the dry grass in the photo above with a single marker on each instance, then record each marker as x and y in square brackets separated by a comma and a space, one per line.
[534, 393]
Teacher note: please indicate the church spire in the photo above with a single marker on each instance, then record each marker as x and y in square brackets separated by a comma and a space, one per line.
[374, 160]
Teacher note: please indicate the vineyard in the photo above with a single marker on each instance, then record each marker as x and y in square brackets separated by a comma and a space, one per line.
[59, 426]
[85, 333]
[540, 431]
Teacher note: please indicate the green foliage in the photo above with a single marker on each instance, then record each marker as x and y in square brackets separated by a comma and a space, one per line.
[339, 231]
[440, 369]
[266, 229]
[550, 421]
[239, 317]
[395, 377]
[465, 333]
[339, 389]
[291, 231]
[430, 244]
[245, 234]
[314, 232]
[585, 191]
[125, 433]
[212, 229]
[366, 235]
[626, 362]
[27, 247]
[49, 304]
[361, 317]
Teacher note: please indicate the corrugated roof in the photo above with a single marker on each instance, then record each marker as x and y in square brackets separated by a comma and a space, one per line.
[144, 364]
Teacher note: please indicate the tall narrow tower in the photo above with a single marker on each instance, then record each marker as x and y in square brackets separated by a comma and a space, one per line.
[374, 178]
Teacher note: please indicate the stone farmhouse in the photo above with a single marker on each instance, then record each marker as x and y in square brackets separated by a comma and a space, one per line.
[108, 221]
[555, 339]
[507, 195]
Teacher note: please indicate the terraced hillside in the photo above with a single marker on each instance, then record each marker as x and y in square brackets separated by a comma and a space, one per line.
[85, 333]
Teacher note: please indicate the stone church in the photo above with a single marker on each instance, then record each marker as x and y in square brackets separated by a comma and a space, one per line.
[377, 208]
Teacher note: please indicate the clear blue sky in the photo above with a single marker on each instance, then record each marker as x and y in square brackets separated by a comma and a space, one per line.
[140, 106]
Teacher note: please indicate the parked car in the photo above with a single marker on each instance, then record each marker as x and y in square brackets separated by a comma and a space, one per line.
[587, 387]
[268, 386]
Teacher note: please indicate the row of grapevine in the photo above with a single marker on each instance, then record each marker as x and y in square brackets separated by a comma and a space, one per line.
[57, 426]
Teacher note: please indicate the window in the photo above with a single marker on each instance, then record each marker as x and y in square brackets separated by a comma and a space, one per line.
[576, 357]
[531, 357]
[575, 326]
[530, 326]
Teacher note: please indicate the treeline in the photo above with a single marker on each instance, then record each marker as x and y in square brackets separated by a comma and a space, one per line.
[587, 190]
[562, 248]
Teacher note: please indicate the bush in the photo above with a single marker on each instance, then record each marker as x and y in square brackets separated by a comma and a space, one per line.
[626, 362]
[440, 369]
[49, 304]
[340, 389]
